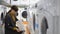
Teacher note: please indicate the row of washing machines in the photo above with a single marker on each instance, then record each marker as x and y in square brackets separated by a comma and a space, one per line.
[48, 11]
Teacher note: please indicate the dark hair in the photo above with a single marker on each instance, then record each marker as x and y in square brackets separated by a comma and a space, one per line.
[14, 7]
[9, 11]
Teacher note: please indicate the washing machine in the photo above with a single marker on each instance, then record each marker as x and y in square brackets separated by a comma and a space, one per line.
[50, 21]
[2, 15]
[50, 11]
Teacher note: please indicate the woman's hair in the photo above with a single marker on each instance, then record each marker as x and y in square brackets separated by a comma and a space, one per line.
[14, 7]
[9, 11]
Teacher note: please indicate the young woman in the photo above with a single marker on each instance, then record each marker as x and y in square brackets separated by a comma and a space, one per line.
[10, 22]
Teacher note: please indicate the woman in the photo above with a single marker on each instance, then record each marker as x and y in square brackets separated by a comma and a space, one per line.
[10, 22]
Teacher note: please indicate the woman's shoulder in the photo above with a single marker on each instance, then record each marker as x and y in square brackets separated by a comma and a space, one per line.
[7, 15]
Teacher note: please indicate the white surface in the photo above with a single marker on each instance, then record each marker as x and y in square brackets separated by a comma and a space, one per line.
[20, 25]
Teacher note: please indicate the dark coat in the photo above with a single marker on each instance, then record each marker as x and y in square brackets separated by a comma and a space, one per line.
[9, 25]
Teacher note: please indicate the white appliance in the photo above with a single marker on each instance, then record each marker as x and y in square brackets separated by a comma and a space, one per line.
[49, 10]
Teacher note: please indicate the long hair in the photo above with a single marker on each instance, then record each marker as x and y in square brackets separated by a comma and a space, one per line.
[9, 11]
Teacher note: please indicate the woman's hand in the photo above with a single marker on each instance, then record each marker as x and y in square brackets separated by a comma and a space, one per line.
[18, 30]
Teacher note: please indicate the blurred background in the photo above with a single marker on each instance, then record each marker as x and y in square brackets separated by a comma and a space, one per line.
[38, 11]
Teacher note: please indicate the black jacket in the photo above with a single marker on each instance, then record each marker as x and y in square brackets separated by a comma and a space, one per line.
[9, 25]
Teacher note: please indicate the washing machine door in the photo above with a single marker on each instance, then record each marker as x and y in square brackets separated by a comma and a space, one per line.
[44, 26]
[24, 14]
